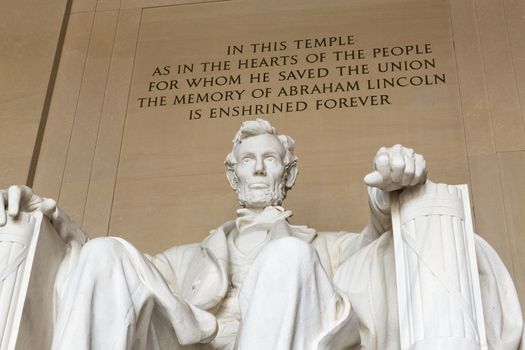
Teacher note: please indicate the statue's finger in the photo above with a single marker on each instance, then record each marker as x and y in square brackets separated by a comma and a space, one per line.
[27, 193]
[396, 148]
[13, 200]
[27, 199]
[374, 179]
[410, 169]
[420, 174]
[382, 165]
[381, 150]
[48, 207]
[397, 166]
[408, 152]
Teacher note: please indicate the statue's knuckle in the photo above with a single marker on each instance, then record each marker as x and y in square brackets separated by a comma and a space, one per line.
[382, 160]
[398, 163]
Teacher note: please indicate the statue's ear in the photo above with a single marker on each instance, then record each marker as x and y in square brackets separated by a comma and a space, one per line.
[291, 175]
[232, 178]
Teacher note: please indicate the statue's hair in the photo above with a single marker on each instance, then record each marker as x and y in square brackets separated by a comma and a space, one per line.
[257, 127]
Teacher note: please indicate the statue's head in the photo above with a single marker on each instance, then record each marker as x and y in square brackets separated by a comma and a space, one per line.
[261, 167]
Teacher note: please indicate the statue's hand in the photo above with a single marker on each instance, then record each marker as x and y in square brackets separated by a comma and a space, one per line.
[396, 168]
[22, 199]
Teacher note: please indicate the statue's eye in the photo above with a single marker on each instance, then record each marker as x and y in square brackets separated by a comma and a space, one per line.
[246, 160]
[270, 159]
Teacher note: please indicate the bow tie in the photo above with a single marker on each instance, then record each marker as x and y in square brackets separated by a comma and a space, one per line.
[248, 220]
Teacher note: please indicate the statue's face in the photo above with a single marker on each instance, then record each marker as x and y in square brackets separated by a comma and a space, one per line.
[260, 171]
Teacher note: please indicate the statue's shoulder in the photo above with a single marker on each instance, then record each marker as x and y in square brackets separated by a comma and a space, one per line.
[222, 230]
[216, 240]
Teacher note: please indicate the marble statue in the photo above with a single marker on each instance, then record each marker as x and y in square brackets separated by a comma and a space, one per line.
[256, 282]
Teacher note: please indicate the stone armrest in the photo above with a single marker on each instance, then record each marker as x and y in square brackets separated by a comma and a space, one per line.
[30, 255]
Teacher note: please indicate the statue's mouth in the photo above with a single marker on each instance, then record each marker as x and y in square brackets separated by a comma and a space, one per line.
[258, 186]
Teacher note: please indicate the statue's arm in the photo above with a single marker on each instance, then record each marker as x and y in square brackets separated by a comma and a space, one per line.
[195, 273]
[379, 220]
[395, 168]
[67, 228]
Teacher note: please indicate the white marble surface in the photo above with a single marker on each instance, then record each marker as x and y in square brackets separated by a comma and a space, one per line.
[438, 289]
[256, 282]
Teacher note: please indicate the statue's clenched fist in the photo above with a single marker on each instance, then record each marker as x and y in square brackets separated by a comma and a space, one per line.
[22, 199]
[397, 167]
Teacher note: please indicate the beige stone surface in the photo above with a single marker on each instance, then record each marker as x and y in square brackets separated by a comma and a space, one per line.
[83, 6]
[84, 133]
[469, 63]
[57, 135]
[501, 88]
[129, 4]
[515, 21]
[107, 150]
[29, 36]
[489, 208]
[108, 5]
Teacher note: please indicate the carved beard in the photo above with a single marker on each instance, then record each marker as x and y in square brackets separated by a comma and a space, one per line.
[261, 198]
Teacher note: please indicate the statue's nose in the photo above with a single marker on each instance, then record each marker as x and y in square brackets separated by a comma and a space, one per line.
[259, 168]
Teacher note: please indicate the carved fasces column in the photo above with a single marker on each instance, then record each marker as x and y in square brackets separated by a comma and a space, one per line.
[30, 254]
[15, 238]
[438, 289]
